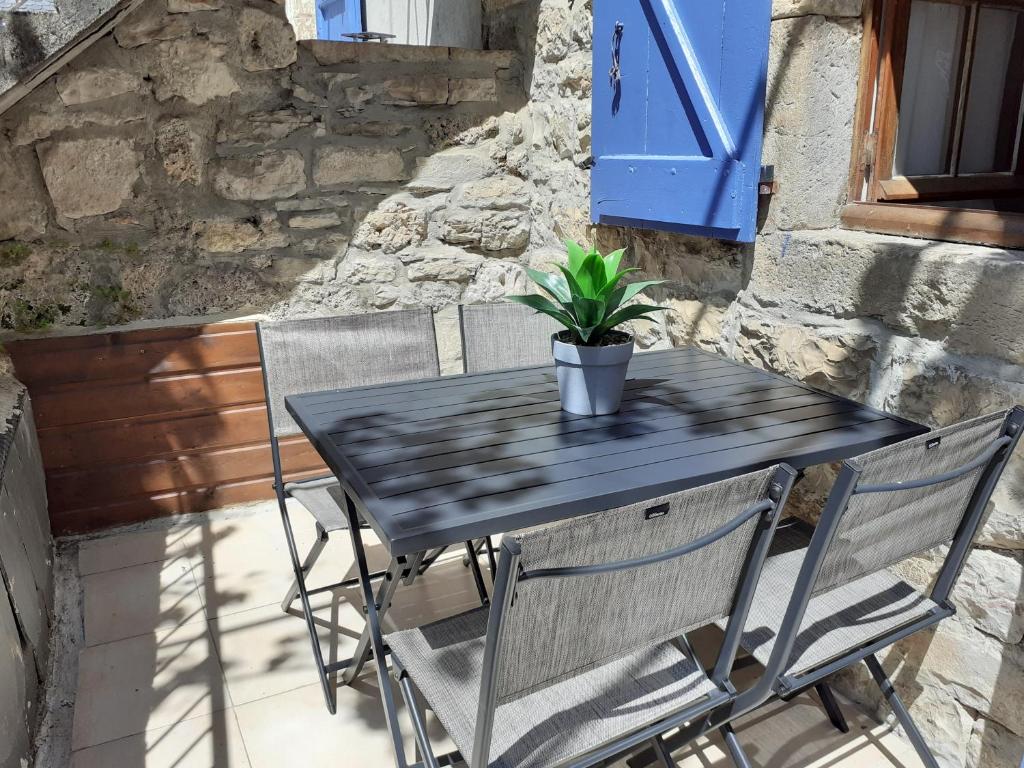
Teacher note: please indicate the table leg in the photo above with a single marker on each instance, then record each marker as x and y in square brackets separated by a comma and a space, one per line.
[372, 633]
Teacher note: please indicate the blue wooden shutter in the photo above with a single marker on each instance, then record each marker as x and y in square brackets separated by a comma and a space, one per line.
[337, 17]
[678, 110]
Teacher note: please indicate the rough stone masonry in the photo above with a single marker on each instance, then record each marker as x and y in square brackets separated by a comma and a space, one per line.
[198, 164]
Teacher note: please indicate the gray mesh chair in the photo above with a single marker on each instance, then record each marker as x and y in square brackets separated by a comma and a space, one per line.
[496, 337]
[332, 353]
[583, 654]
[886, 506]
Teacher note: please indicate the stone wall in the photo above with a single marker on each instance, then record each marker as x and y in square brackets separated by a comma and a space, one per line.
[26, 577]
[197, 162]
[932, 331]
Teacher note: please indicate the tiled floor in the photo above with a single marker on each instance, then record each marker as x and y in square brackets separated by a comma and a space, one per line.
[189, 661]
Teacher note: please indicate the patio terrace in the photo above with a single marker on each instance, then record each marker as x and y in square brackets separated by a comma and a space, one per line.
[188, 661]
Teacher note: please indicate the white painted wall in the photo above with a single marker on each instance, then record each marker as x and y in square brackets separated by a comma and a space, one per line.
[427, 22]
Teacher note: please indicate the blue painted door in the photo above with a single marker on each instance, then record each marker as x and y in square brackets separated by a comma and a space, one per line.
[678, 112]
[337, 17]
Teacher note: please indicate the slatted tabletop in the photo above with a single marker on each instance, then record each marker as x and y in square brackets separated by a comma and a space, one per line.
[441, 461]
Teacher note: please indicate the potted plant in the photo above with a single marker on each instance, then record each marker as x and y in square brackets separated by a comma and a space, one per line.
[591, 356]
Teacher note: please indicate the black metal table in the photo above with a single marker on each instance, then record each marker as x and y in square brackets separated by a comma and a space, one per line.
[436, 462]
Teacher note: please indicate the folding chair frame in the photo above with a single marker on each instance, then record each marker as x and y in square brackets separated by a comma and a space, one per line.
[693, 719]
[776, 683]
[352, 666]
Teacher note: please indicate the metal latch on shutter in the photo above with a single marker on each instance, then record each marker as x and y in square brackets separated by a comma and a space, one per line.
[768, 185]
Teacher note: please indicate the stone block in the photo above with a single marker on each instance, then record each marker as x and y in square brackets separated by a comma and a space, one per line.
[397, 223]
[263, 176]
[312, 203]
[695, 323]
[227, 235]
[183, 149]
[42, 114]
[443, 264]
[969, 297]
[335, 166]
[834, 360]
[478, 89]
[993, 746]
[415, 90]
[328, 52]
[980, 672]
[22, 215]
[784, 9]
[88, 177]
[444, 171]
[494, 280]
[812, 93]
[265, 41]
[314, 220]
[148, 23]
[79, 86]
[192, 69]
[990, 594]
[368, 269]
[190, 6]
[261, 128]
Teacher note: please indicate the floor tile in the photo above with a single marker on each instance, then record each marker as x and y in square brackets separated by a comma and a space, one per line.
[265, 651]
[200, 742]
[294, 728]
[121, 551]
[139, 599]
[146, 682]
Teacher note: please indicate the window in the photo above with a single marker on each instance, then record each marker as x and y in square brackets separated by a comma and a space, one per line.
[941, 121]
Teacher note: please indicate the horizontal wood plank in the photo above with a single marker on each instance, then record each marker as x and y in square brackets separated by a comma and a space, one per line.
[171, 395]
[82, 488]
[45, 367]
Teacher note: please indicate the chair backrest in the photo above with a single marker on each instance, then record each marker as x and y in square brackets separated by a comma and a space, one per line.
[594, 589]
[321, 353]
[897, 509]
[506, 335]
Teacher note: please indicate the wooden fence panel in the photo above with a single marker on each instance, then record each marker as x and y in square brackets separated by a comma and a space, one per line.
[135, 425]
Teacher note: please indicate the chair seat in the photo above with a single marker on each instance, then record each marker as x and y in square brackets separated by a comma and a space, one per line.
[837, 621]
[315, 495]
[556, 723]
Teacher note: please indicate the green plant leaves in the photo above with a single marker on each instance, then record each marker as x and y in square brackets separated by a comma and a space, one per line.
[589, 298]
[576, 255]
[541, 304]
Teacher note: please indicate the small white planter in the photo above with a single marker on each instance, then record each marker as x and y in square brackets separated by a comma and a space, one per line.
[590, 379]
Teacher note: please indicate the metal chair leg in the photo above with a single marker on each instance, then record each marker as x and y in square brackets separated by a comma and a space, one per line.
[901, 712]
[492, 562]
[307, 566]
[478, 578]
[664, 757]
[832, 708]
[733, 745]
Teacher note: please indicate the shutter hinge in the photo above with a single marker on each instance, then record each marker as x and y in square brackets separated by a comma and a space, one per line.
[767, 185]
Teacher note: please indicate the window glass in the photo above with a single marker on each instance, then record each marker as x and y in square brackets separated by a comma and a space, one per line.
[930, 77]
[993, 101]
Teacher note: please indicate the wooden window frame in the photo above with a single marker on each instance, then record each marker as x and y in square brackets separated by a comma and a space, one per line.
[876, 193]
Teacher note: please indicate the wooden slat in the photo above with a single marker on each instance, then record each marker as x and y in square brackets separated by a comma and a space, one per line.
[82, 488]
[171, 395]
[185, 502]
[152, 422]
[46, 368]
[128, 440]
